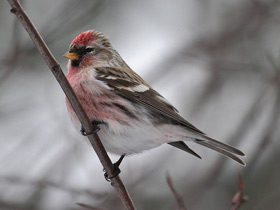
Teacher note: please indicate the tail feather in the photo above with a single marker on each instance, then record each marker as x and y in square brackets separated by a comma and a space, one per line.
[181, 145]
[222, 148]
[223, 152]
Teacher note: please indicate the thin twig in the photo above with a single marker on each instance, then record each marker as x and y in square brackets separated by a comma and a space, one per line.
[238, 199]
[60, 77]
[86, 206]
[178, 198]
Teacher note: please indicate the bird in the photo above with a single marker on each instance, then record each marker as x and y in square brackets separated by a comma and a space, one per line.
[129, 115]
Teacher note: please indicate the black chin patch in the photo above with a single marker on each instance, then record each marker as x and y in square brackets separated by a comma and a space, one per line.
[76, 62]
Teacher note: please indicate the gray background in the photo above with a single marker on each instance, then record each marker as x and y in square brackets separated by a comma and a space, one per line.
[216, 61]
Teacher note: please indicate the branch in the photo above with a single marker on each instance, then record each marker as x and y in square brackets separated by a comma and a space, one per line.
[60, 77]
[178, 198]
[238, 199]
[90, 207]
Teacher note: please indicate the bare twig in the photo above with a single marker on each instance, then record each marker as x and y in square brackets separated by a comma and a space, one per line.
[60, 77]
[86, 206]
[238, 199]
[178, 198]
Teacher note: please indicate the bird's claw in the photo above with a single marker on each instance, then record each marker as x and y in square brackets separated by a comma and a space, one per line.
[95, 130]
[117, 170]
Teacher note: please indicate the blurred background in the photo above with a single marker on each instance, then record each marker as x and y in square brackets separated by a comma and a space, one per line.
[216, 61]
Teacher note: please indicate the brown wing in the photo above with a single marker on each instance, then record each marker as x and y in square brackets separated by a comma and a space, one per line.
[127, 87]
[134, 88]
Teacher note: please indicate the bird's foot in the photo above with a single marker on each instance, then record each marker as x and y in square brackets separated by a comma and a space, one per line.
[95, 129]
[117, 170]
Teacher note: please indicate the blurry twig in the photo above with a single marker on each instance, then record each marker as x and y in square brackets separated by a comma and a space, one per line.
[178, 198]
[60, 77]
[240, 131]
[238, 199]
[12, 55]
[90, 207]
[273, 119]
[63, 15]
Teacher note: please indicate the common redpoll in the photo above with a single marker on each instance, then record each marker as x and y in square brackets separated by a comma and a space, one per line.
[132, 116]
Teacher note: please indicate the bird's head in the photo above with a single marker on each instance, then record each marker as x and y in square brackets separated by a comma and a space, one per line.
[90, 48]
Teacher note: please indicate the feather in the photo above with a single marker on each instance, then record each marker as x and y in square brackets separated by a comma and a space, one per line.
[221, 151]
[150, 98]
[223, 146]
[154, 102]
[181, 145]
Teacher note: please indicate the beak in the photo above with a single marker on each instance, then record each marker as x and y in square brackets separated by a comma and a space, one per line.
[71, 55]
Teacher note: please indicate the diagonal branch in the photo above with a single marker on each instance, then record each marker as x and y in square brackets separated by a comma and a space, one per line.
[178, 198]
[60, 77]
[238, 199]
[89, 207]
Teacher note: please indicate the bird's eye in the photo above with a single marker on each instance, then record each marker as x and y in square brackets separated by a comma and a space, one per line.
[89, 49]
